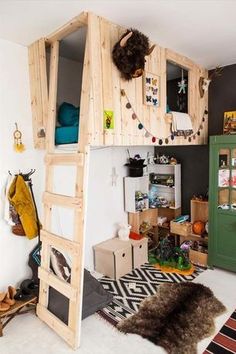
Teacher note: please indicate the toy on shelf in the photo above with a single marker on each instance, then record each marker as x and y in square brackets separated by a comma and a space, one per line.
[135, 165]
[123, 232]
[141, 201]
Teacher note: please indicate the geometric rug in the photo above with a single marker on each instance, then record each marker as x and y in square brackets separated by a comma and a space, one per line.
[130, 290]
[225, 341]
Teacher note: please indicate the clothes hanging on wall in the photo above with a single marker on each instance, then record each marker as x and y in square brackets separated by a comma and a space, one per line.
[7, 210]
[21, 199]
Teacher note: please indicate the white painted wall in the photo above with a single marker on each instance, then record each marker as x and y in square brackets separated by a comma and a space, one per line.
[15, 107]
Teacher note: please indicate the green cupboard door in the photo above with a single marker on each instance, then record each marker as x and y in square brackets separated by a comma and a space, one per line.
[222, 198]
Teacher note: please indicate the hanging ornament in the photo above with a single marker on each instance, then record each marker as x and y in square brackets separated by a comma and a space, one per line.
[134, 116]
[206, 111]
[198, 133]
[140, 126]
[153, 139]
[172, 136]
[194, 137]
[182, 84]
[189, 139]
[147, 135]
[203, 119]
[128, 105]
[166, 140]
[160, 142]
[18, 145]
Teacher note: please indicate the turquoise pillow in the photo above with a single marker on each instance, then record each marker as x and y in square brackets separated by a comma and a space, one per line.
[68, 115]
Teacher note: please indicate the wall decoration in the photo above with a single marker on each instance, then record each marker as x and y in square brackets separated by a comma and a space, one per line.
[229, 123]
[205, 82]
[159, 139]
[18, 145]
[108, 120]
[223, 160]
[129, 54]
[151, 89]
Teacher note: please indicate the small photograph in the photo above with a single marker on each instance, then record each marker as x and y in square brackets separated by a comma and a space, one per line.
[223, 178]
[233, 161]
[223, 160]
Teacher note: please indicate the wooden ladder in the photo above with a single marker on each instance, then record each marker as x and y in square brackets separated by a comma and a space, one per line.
[73, 291]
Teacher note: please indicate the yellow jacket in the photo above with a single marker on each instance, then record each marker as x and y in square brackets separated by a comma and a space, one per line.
[20, 197]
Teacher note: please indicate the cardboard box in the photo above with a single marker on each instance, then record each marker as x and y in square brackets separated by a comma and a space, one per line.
[113, 258]
[139, 252]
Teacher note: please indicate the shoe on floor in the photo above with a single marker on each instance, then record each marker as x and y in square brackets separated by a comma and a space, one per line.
[9, 298]
[3, 306]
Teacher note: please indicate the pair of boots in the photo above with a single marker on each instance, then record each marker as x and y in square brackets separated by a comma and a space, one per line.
[7, 299]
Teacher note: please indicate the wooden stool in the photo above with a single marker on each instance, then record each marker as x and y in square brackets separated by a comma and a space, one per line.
[16, 309]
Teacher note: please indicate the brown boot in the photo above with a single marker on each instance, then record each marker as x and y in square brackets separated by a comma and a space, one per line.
[3, 306]
[9, 298]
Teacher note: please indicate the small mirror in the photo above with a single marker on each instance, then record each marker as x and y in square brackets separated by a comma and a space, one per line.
[177, 88]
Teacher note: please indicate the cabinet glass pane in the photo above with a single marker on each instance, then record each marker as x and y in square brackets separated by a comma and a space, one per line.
[233, 158]
[233, 200]
[224, 155]
[233, 178]
[223, 178]
[223, 199]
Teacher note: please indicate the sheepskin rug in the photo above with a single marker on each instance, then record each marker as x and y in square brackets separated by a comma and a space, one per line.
[176, 317]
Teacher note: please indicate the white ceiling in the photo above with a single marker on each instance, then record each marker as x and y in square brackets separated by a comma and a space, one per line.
[204, 30]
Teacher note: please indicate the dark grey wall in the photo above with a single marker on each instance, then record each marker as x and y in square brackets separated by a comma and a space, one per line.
[194, 170]
[195, 159]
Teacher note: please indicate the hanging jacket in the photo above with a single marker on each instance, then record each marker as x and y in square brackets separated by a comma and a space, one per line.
[20, 197]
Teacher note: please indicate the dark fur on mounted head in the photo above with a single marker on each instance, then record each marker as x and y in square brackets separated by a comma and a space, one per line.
[129, 53]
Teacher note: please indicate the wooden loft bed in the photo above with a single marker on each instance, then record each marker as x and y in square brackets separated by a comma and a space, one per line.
[101, 90]
[102, 85]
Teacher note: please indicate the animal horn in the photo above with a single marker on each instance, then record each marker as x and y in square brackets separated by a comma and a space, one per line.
[124, 40]
[151, 49]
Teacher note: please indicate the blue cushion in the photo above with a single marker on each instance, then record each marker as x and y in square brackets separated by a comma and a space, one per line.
[68, 114]
[66, 135]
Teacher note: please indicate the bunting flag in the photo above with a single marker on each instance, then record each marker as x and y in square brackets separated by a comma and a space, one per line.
[158, 139]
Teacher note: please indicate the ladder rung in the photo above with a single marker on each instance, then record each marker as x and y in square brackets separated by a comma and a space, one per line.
[62, 200]
[60, 285]
[65, 159]
[60, 242]
[57, 325]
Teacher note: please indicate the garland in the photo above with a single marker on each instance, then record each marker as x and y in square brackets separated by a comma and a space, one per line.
[155, 138]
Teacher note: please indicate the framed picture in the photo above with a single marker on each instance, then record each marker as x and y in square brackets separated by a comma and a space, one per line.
[229, 123]
[151, 89]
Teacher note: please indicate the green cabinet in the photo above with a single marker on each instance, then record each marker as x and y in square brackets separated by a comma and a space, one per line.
[222, 202]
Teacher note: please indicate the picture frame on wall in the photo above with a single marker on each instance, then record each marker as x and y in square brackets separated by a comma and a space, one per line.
[151, 89]
[229, 123]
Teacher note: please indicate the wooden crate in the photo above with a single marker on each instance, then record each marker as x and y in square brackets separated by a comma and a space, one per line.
[199, 210]
[182, 229]
[139, 252]
[198, 258]
[113, 258]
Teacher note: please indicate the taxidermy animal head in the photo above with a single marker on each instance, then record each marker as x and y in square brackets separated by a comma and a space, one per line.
[129, 54]
[205, 82]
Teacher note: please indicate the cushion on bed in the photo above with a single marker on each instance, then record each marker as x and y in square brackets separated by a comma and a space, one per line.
[66, 135]
[68, 114]
[94, 299]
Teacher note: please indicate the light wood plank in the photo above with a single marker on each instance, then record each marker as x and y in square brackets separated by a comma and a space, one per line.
[60, 242]
[71, 26]
[52, 280]
[57, 325]
[65, 159]
[62, 200]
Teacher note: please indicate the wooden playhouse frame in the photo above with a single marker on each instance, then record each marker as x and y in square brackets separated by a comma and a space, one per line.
[101, 87]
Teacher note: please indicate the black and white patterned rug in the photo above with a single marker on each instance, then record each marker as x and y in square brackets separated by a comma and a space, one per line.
[131, 289]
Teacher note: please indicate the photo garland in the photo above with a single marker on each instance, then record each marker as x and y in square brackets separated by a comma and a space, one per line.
[169, 137]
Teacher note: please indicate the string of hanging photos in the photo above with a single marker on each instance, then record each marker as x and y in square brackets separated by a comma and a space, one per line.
[169, 137]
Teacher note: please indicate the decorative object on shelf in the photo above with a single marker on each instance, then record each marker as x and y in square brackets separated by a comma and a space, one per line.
[223, 160]
[151, 89]
[164, 160]
[205, 82]
[135, 165]
[108, 119]
[141, 201]
[129, 53]
[182, 83]
[18, 145]
[229, 123]
[169, 137]
[207, 226]
[198, 227]
[173, 161]
[123, 232]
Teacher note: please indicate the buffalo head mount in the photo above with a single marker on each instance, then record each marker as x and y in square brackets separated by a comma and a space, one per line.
[129, 53]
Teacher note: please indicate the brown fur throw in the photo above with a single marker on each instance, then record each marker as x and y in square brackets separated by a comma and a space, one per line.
[176, 317]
